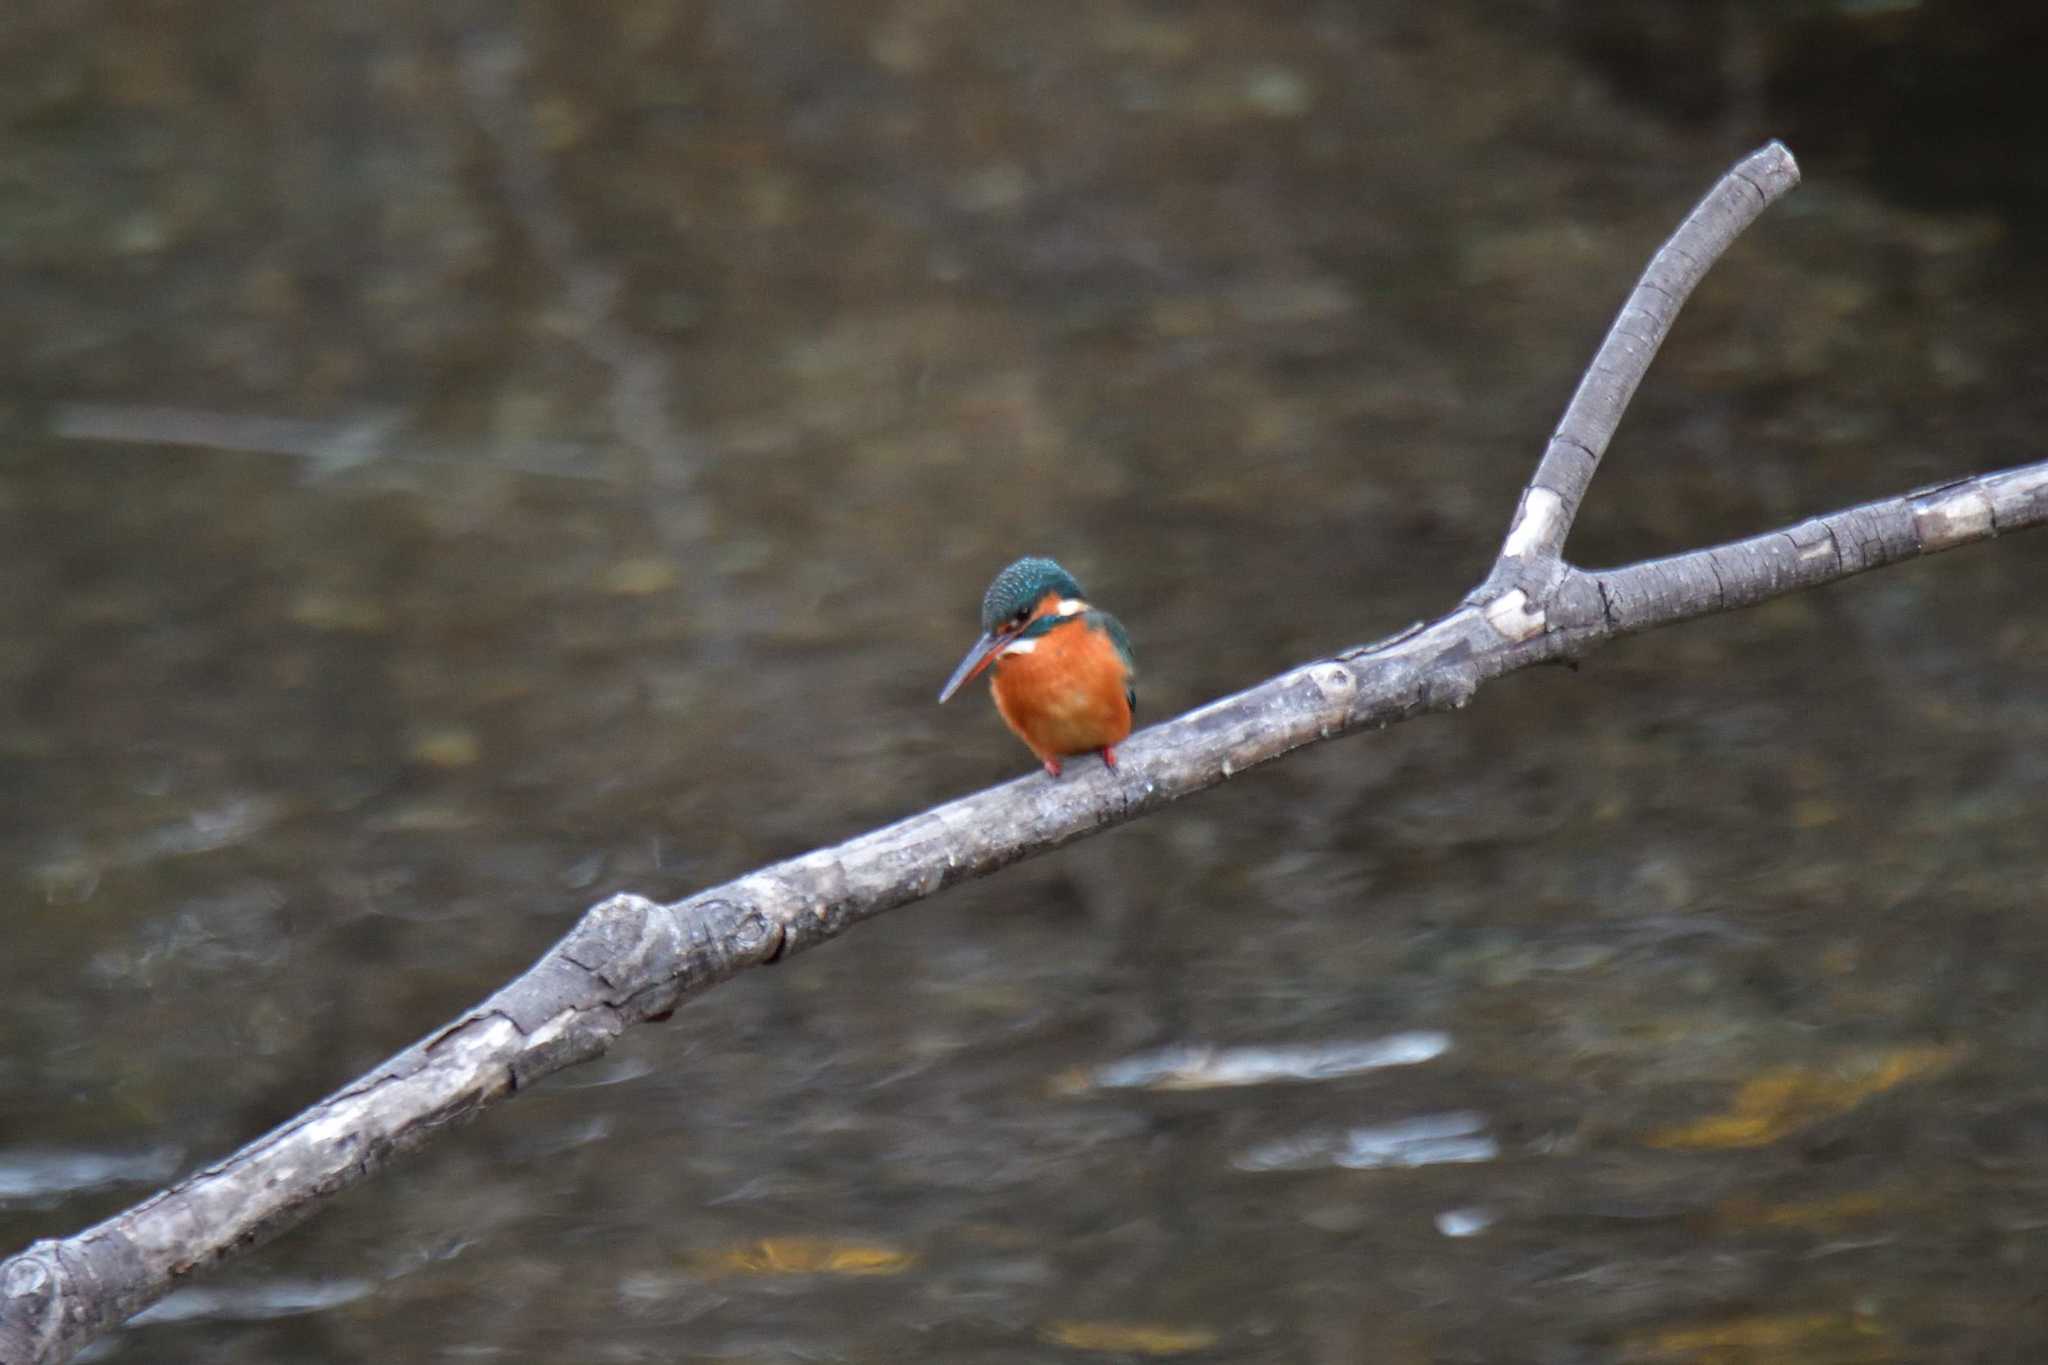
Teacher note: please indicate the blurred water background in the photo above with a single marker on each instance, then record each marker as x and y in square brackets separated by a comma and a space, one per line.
[458, 460]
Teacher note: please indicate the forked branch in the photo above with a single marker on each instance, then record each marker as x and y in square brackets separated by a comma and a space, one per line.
[1551, 502]
[629, 959]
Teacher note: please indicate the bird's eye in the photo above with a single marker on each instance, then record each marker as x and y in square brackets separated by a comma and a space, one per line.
[1023, 615]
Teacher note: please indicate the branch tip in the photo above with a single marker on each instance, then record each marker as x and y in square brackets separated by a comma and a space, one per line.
[1639, 329]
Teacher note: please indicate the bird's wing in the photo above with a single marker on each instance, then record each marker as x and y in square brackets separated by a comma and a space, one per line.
[1114, 629]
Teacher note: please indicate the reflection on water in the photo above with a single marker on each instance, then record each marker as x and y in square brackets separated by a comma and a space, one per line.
[463, 462]
[1463, 1222]
[1187, 1066]
[252, 1302]
[1425, 1141]
[43, 1178]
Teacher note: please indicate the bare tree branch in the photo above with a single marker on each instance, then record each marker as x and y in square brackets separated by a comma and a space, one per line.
[1550, 503]
[1870, 536]
[630, 959]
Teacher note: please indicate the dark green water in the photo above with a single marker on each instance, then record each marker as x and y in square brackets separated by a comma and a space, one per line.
[457, 461]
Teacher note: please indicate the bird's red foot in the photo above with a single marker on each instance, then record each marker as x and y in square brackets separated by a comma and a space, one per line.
[1052, 767]
[1109, 756]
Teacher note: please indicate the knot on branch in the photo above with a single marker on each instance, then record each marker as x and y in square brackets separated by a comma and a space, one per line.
[36, 1294]
[1515, 616]
[615, 938]
[735, 930]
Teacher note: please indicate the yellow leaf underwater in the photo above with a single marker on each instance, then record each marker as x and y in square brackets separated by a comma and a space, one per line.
[1768, 1339]
[1129, 1338]
[1789, 1098]
[803, 1256]
[639, 577]
[1816, 1215]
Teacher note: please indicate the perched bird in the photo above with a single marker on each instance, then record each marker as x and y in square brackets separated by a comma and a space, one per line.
[1060, 671]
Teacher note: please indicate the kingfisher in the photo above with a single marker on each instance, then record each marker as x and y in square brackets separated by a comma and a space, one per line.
[1061, 672]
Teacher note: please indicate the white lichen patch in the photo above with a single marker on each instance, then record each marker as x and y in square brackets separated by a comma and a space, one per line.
[1535, 521]
[550, 1030]
[1511, 615]
[1952, 517]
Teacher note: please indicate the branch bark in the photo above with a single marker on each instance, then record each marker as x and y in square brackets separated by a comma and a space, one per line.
[629, 959]
[1535, 539]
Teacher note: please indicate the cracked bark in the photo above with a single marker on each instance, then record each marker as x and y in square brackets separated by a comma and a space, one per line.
[628, 959]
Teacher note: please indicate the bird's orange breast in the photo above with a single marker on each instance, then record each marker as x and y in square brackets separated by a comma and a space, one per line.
[1068, 694]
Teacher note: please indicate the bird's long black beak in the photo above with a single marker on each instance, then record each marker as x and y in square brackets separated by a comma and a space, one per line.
[985, 649]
